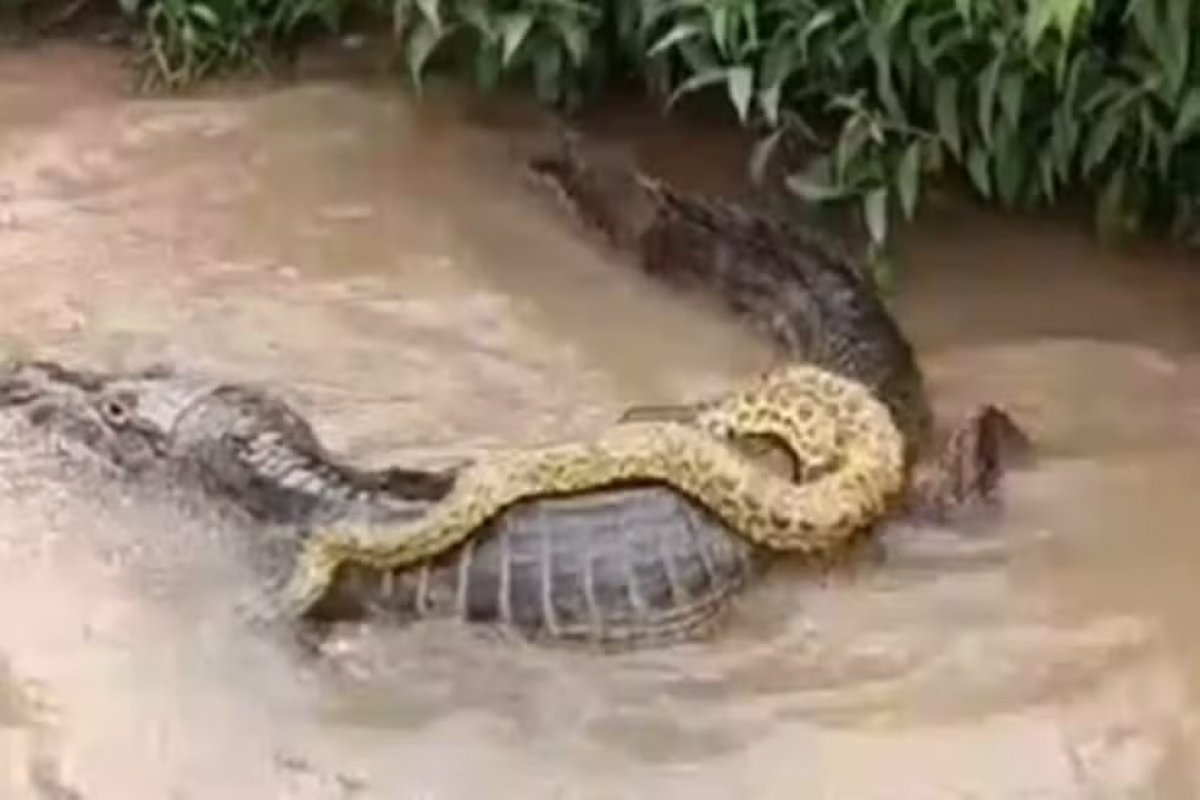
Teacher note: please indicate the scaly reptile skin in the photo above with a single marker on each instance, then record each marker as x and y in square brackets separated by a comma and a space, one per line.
[623, 567]
[836, 429]
[786, 280]
[799, 288]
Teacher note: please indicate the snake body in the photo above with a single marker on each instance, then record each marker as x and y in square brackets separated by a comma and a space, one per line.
[612, 569]
[826, 422]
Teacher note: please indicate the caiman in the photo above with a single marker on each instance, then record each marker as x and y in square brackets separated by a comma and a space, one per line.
[620, 567]
[615, 567]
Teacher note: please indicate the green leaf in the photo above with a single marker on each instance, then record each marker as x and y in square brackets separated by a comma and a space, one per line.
[875, 208]
[1188, 120]
[401, 14]
[768, 103]
[1012, 89]
[1164, 149]
[1178, 35]
[779, 54]
[547, 70]
[1064, 135]
[719, 26]
[815, 23]
[953, 38]
[699, 56]
[977, 169]
[1066, 14]
[646, 17]
[893, 12]
[908, 178]
[202, 12]
[514, 27]
[877, 43]
[476, 14]
[1048, 176]
[919, 30]
[815, 184]
[851, 141]
[487, 65]
[1037, 20]
[987, 97]
[881, 268]
[421, 43]
[430, 11]
[574, 37]
[776, 65]
[813, 192]
[698, 81]
[681, 32]
[946, 113]
[741, 83]
[1101, 139]
[1145, 20]
[749, 39]
[1010, 167]
[1149, 131]
[761, 154]
[1071, 78]
[964, 10]
[1110, 207]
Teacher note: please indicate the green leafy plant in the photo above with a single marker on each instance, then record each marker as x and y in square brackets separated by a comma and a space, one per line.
[1024, 101]
[549, 41]
[183, 41]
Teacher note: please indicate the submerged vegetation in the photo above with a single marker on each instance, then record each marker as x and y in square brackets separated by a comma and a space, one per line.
[1026, 101]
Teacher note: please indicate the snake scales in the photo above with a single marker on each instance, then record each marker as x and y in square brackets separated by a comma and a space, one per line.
[831, 425]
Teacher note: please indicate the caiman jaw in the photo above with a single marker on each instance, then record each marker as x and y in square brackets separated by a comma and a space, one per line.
[69, 405]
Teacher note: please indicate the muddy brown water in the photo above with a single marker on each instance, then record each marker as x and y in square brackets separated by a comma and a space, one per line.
[376, 264]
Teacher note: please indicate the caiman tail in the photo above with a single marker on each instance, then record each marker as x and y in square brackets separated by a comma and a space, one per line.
[787, 281]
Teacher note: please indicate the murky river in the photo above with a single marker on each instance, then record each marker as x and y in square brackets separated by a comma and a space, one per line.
[379, 266]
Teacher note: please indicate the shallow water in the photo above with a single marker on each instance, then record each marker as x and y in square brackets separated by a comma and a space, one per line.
[378, 265]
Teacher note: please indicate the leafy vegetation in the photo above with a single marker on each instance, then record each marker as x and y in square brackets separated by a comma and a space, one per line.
[184, 41]
[1027, 101]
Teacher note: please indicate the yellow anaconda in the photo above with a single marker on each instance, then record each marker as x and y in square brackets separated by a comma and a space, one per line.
[832, 425]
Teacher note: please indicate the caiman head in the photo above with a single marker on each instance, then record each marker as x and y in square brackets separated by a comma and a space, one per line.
[86, 414]
[243, 445]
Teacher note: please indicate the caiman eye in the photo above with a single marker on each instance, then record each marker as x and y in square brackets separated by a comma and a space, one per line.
[116, 411]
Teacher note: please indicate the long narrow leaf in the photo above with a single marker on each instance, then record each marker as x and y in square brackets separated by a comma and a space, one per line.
[875, 212]
[680, 33]
[908, 179]
[697, 82]
[514, 27]
[741, 83]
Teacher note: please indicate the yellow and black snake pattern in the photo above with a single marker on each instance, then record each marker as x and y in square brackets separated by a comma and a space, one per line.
[851, 451]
